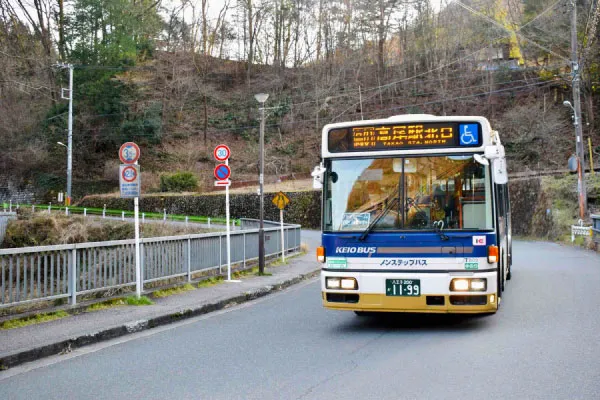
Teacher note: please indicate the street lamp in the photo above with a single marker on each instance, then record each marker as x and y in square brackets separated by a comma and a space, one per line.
[261, 98]
[581, 189]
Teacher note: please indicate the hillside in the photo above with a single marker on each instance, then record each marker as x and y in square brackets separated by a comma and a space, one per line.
[197, 110]
[178, 98]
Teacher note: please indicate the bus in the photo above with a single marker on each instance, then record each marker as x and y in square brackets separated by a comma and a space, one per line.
[415, 215]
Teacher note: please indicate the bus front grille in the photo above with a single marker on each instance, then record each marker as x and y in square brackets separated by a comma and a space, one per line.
[342, 297]
[478, 300]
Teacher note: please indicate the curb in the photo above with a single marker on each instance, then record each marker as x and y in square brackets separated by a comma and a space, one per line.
[66, 346]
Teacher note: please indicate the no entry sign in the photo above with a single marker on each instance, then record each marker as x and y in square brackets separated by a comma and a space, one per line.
[222, 172]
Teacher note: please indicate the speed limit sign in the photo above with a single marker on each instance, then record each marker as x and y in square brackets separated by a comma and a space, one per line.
[129, 153]
[222, 152]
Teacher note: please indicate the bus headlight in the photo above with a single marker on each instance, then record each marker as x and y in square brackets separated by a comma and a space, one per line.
[349, 284]
[459, 285]
[337, 283]
[468, 284]
[333, 283]
[478, 285]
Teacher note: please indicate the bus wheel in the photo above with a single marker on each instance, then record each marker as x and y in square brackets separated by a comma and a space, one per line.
[500, 275]
[362, 313]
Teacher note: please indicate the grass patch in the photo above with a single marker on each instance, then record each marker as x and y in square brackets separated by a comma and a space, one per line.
[34, 319]
[210, 282]
[142, 301]
[176, 290]
[251, 271]
[277, 263]
[106, 304]
[562, 193]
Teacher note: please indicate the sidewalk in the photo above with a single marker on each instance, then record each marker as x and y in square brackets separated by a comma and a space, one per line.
[33, 342]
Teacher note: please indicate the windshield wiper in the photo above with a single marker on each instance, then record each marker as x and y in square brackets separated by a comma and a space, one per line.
[439, 227]
[376, 220]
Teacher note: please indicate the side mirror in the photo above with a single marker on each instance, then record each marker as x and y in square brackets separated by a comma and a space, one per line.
[499, 170]
[493, 152]
[481, 160]
[317, 175]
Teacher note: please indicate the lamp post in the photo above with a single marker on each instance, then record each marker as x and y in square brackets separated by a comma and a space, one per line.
[261, 98]
[581, 189]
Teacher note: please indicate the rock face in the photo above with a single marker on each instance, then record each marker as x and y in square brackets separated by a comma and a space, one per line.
[531, 208]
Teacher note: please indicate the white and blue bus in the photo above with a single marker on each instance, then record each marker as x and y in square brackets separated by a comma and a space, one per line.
[415, 216]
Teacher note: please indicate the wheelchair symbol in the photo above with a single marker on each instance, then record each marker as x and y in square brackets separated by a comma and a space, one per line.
[468, 134]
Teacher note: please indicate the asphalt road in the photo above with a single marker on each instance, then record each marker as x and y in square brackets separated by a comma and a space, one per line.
[542, 344]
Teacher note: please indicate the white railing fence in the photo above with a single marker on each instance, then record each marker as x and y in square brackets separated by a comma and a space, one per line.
[66, 271]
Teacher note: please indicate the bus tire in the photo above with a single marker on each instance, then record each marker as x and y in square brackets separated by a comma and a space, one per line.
[363, 313]
[501, 274]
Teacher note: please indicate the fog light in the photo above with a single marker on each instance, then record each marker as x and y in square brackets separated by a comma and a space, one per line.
[459, 285]
[492, 299]
[349, 283]
[478, 285]
[332, 283]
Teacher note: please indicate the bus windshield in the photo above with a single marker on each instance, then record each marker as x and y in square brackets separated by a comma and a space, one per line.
[407, 193]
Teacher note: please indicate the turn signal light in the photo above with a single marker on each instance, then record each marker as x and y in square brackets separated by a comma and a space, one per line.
[321, 254]
[492, 254]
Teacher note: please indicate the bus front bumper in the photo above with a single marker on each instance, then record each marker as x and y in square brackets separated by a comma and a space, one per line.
[430, 303]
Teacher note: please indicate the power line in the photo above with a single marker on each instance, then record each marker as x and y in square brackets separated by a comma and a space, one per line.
[516, 32]
[310, 120]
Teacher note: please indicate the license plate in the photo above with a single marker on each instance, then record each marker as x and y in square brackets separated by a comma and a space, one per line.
[402, 287]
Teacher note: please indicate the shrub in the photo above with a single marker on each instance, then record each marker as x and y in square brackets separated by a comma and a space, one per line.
[179, 182]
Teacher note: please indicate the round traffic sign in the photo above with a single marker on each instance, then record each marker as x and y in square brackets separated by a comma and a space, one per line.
[129, 174]
[222, 152]
[222, 172]
[129, 153]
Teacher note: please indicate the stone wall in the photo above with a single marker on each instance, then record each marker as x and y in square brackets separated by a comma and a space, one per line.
[304, 207]
[17, 192]
[530, 207]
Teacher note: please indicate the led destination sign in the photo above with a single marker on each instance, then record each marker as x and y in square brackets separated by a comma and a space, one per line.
[404, 136]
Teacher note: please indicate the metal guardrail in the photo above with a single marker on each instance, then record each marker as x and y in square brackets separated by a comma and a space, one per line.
[596, 227]
[32, 274]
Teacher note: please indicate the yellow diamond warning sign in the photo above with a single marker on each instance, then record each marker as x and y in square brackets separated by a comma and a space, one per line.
[281, 200]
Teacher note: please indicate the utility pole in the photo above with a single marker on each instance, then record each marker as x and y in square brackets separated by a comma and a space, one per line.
[577, 121]
[261, 98]
[70, 133]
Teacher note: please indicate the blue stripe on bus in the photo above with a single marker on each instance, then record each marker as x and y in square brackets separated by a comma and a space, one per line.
[385, 244]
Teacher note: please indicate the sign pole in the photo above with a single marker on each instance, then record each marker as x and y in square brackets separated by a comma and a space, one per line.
[129, 181]
[222, 173]
[138, 274]
[228, 229]
[282, 236]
